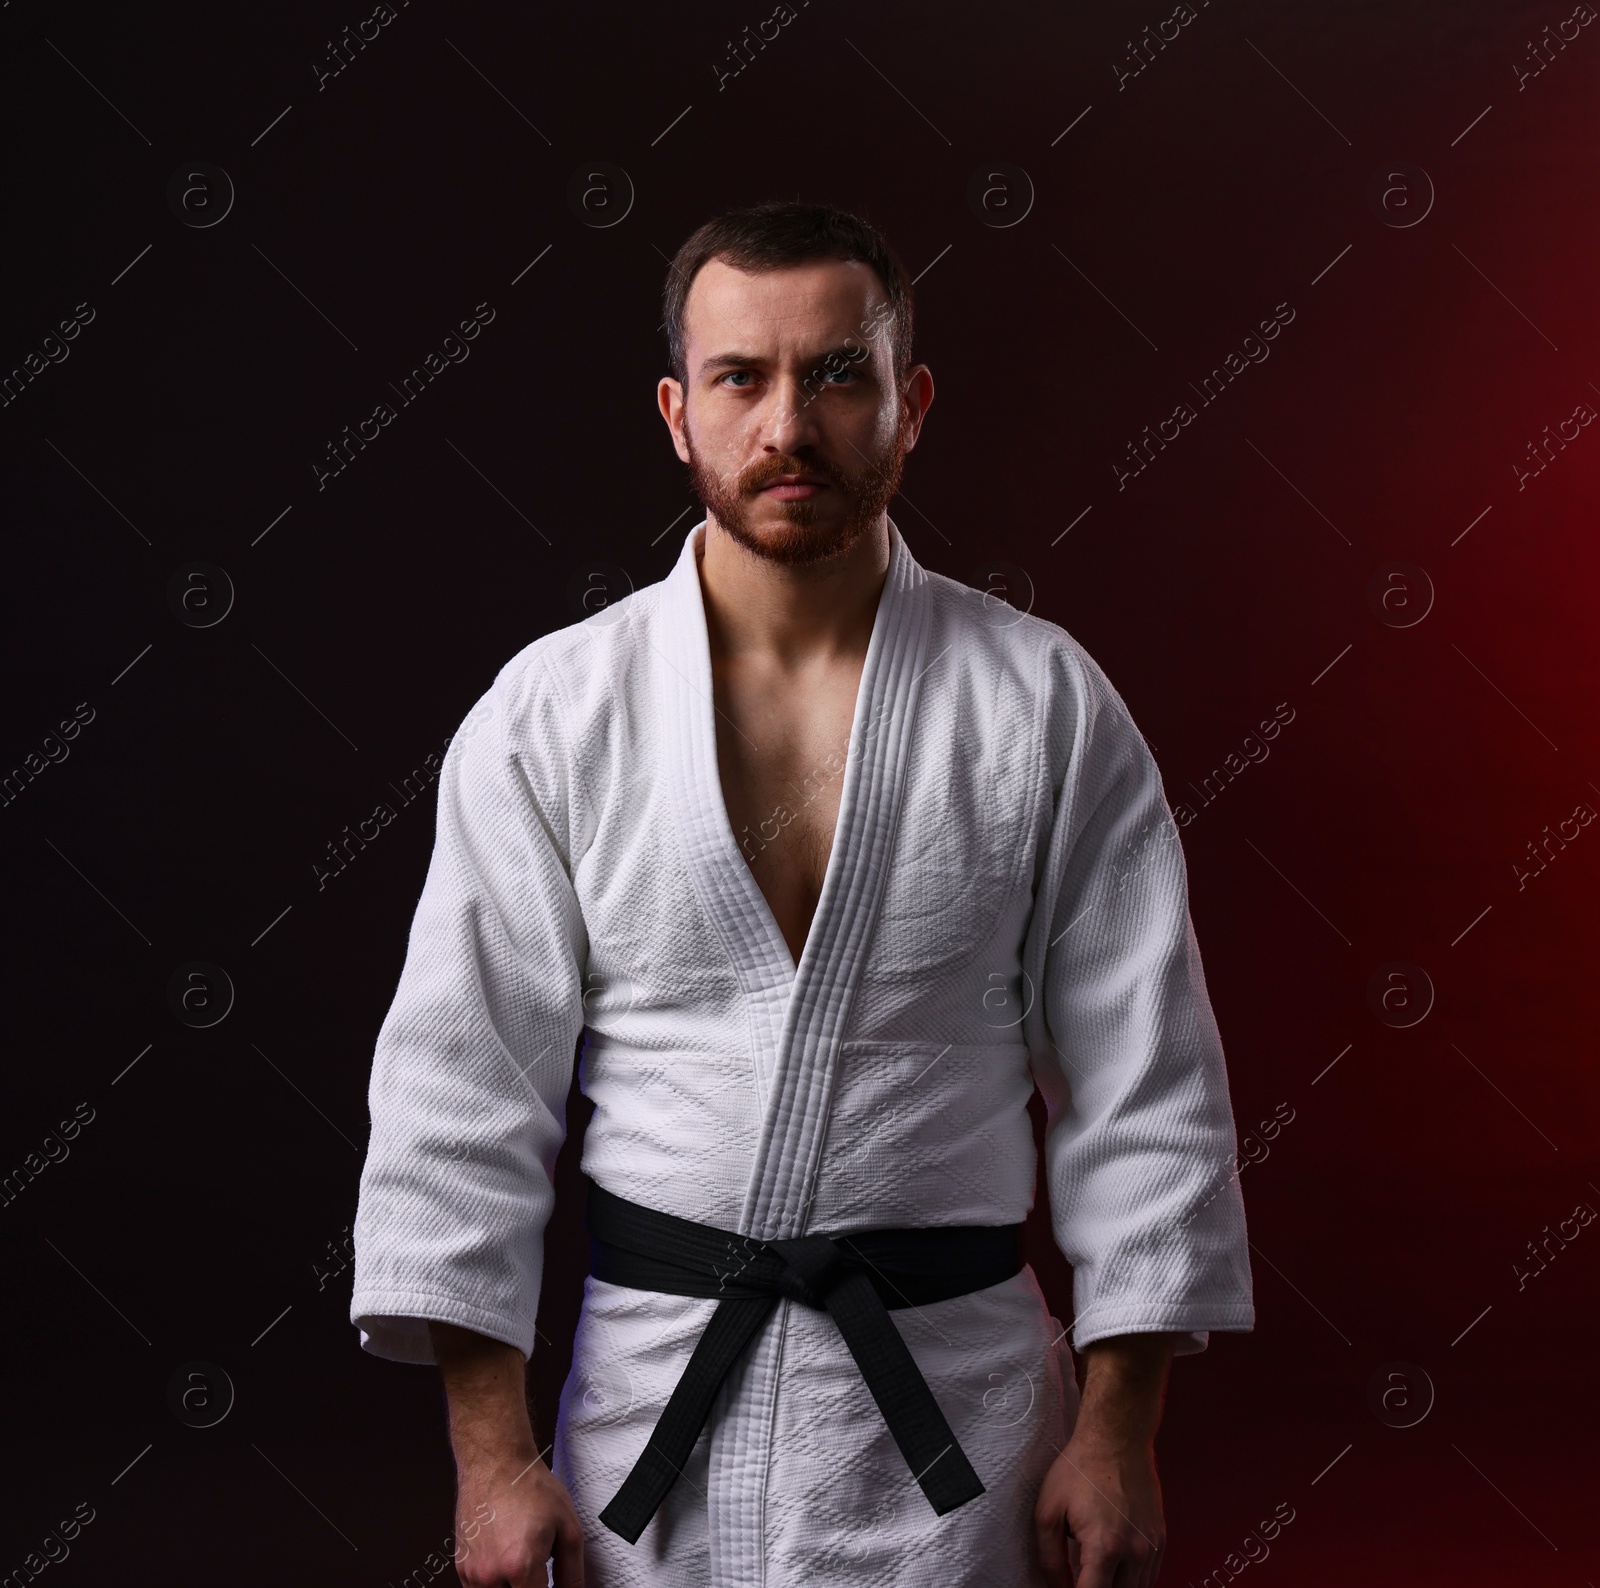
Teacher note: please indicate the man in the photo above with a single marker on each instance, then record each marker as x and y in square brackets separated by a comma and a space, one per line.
[830, 860]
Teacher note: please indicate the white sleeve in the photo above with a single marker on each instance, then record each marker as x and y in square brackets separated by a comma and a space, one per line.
[1140, 1142]
[474, 1059]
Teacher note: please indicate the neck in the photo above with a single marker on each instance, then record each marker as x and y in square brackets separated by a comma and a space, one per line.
[791, 615]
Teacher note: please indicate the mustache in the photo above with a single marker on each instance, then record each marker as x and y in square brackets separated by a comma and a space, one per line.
[762, 474]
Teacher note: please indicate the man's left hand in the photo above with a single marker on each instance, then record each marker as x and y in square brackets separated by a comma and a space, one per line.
[1098, 1517]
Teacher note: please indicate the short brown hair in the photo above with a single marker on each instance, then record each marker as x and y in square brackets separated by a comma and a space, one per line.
[770, 235]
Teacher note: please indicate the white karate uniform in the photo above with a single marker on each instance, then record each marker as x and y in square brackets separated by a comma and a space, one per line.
[1005, 903]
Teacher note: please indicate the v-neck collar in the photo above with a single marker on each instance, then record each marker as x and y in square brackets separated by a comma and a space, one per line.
[794, 1007]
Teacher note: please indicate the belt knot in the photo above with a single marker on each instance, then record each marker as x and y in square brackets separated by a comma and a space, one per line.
[812, 1266]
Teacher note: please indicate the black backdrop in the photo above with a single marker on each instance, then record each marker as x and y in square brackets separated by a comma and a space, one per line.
[223, 255]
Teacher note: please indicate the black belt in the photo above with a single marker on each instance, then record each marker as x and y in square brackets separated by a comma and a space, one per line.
[858, 1278]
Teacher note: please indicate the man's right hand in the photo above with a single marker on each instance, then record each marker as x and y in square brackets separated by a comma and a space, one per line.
[513, 1515]
[511, 1518]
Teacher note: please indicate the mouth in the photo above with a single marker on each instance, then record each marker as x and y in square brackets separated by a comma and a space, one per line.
[794, 487]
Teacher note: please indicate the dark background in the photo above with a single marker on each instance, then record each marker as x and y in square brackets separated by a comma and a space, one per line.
[1376, 168]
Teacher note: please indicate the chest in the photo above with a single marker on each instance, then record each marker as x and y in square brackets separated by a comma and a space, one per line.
[781, 750]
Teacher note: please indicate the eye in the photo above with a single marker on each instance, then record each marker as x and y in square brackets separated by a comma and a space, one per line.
[848, 373]
[740, 373]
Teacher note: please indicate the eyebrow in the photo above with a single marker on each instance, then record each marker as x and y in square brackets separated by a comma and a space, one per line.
[841, 355]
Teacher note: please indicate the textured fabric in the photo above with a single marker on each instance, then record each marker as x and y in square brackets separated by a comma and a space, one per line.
[1005, 905]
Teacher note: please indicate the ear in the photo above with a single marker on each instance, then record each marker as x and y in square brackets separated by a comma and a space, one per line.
[669, 398]
[917, 394]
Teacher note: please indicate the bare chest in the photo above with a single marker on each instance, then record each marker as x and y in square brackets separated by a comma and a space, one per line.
[781, 753]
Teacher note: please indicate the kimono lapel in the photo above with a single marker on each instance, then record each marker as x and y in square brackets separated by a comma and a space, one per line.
[727, 887]
[799, 1096]
[729, 893]
[798, 1013]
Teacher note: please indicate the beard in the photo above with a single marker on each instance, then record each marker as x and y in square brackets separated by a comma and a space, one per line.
[803, 536]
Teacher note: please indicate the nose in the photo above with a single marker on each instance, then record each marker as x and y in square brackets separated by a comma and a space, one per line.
[789, 420]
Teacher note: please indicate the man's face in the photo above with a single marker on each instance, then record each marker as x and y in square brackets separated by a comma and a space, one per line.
[789, 419]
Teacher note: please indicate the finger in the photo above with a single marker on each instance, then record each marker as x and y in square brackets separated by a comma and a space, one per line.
[1052, 1542]
[518, 1570]
[568, 1557]
[1152, 1568]
[1099, 1566]
[1140, 1562]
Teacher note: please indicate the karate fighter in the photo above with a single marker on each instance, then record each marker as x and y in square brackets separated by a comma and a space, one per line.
[829, 860]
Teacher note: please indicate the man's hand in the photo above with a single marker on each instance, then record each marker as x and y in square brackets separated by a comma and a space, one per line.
[511, 1518]
[1098, 1516]
[512, 1513]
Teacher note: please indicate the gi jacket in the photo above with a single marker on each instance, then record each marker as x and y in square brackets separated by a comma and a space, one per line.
[1005, 905]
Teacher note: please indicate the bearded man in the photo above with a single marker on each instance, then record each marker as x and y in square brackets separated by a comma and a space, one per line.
[829, 860]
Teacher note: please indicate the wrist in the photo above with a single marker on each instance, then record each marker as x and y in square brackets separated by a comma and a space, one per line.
[1109, 1443]
[1124, 1384]
[498, 1454]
